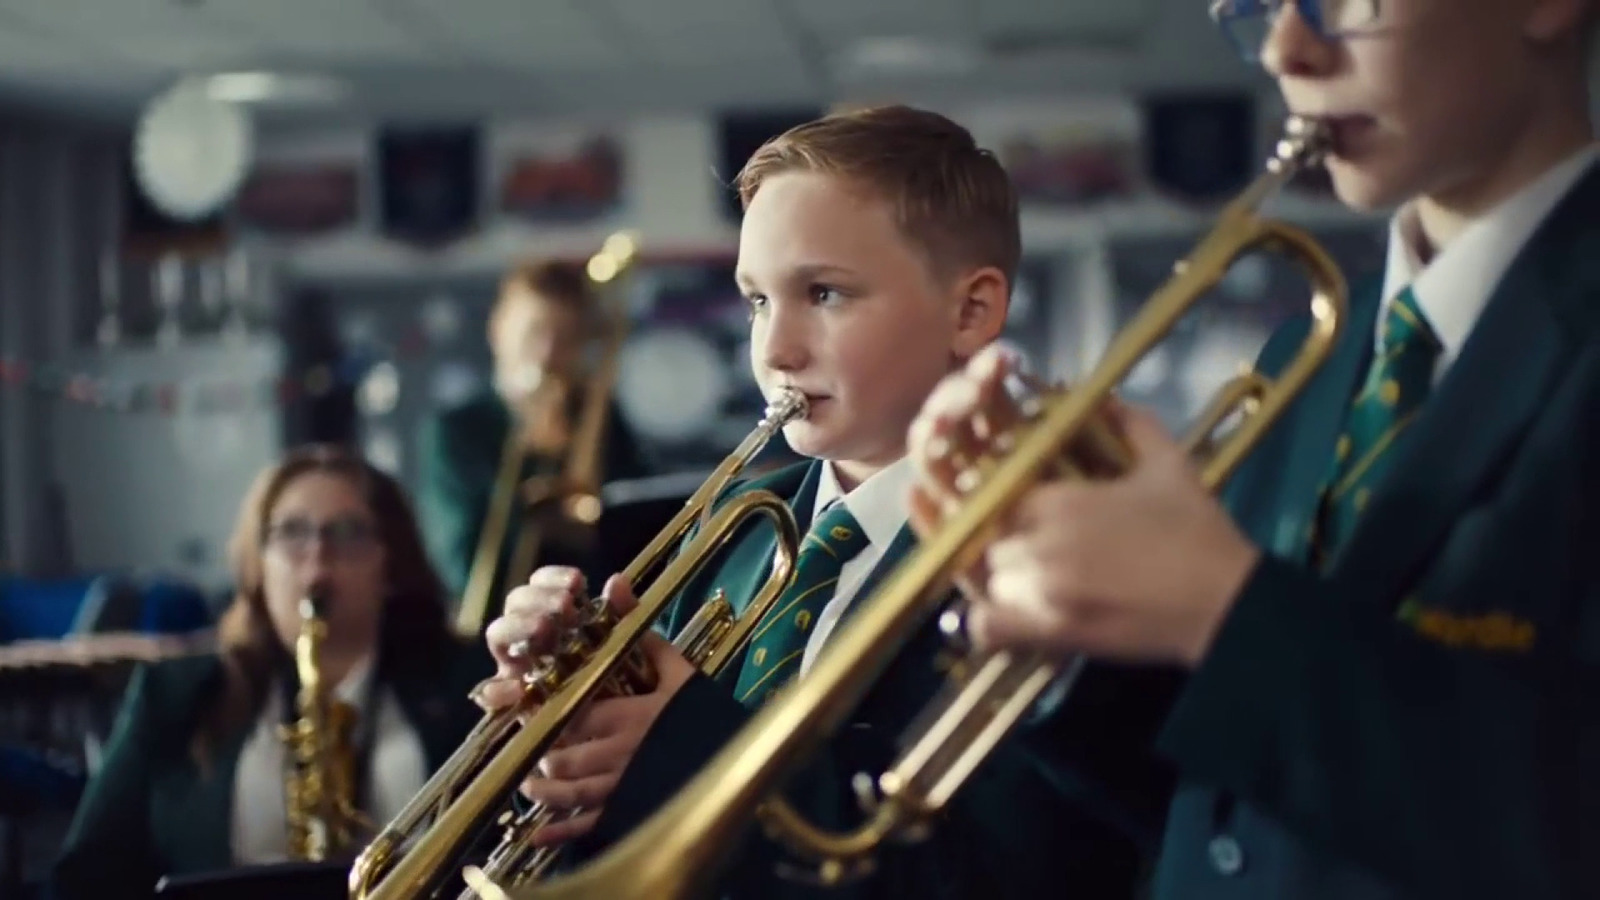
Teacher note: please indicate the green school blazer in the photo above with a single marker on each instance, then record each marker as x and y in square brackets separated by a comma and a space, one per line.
[153, 811]
[459, 457]
[1421, 721]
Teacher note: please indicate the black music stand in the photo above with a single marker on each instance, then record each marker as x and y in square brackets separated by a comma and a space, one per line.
[634, 512]
[302, 881]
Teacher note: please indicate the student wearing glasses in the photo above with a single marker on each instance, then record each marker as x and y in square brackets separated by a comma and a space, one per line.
[193, 777]
[1391, 623]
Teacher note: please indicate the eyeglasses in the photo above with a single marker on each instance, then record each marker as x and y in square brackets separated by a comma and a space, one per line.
[343, 537]
[1246, 22]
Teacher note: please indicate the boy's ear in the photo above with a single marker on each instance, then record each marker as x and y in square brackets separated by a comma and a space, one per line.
[983, 300]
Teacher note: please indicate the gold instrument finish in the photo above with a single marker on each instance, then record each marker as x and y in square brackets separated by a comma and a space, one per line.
[598, 658]
[320, 787]
[566, 502]
[680, 850]
[515, 861]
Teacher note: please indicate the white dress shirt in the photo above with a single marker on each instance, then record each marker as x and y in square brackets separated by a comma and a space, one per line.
[397, 770]
[1455, 285]
[881, 507]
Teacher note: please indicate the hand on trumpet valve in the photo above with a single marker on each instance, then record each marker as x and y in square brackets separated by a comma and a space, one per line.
[583, 769]
[536, 617]
[1140, 567]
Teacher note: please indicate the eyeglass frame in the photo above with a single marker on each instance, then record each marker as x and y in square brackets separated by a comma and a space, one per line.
[1222, 12]
[360, 536]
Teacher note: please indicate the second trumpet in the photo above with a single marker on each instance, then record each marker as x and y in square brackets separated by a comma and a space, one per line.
[415, 854]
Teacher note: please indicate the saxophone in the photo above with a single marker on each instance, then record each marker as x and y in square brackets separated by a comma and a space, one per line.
[319, 789]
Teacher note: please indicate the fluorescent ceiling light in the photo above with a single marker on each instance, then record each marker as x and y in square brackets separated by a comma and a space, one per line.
[273, 87]
[910, 55]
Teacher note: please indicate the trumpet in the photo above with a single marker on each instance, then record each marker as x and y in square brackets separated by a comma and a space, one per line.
[680, 850]
[598, 658]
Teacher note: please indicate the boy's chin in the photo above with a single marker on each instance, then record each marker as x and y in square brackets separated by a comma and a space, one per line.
[806, 439]
[1364, 188]
[818, 441]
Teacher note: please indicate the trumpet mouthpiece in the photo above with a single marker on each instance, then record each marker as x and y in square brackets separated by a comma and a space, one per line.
[788, 406]
[1304, 143]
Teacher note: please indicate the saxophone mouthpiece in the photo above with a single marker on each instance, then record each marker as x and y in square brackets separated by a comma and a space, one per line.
[314, 605]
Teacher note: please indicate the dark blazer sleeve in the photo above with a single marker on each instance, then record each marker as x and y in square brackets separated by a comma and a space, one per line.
[1457, 773]
[1096, 741]
[693, 727]
[994, 841]
[108, 851]
[450, 503]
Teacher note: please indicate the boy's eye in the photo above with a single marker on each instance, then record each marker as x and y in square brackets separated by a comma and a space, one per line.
[822, 293]
[756, 302]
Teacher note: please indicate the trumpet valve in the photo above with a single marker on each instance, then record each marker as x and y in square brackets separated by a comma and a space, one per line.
[911, 819]
[953, 625]
[576, 647]
[866, 791]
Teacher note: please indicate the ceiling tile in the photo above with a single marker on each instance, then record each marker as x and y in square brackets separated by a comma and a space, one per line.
[33, 52]
[187, 51]
[139, 32]
[830, 19]
[577, 55]
[1024, 20]
[703, 32]
[681, 88]
[346, 30]
[527, 34]
[105, 19]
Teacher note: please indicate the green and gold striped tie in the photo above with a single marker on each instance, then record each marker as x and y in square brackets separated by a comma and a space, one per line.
[780, 638]
[1390, 399]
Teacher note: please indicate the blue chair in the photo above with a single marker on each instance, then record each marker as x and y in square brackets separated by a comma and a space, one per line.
[35, 787]
[45, 608]
[40, 608]
[174, 607]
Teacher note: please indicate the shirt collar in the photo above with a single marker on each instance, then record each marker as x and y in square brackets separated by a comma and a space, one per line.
[355, 686]
[880, 504]
[1453, 288]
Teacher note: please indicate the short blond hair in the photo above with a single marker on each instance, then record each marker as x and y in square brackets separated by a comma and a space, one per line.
[951, 197]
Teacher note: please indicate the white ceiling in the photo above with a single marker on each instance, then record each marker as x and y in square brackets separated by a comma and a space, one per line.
[431, 58]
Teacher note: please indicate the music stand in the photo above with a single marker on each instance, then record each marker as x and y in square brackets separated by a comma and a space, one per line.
[274, 881]
[635, 511]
